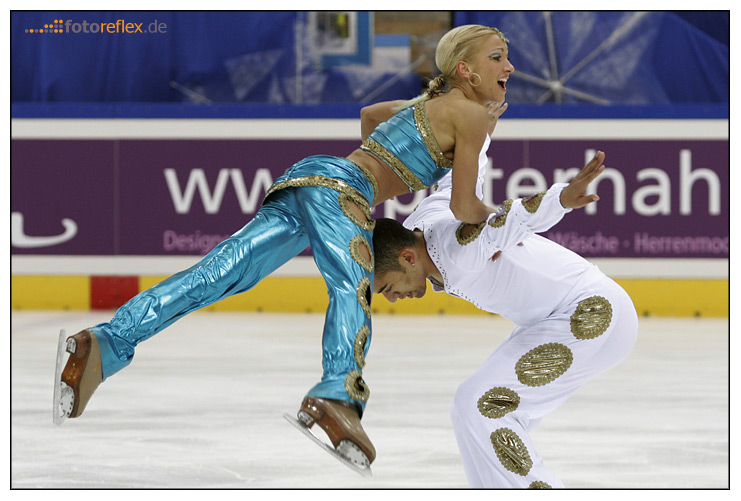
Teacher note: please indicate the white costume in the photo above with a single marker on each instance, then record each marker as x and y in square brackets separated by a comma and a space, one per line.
[573, 323]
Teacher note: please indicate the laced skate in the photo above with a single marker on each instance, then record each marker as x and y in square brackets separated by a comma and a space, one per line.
[340, 421]
[75, 384]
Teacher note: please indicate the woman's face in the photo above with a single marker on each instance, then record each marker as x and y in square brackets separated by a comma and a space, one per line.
[490, 60]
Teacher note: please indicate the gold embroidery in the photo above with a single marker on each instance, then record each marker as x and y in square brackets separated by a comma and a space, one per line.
[591, 318]
[532, 203]
[425, 130]
[543, 364]
[324, 182]
[404, 172]
[359, 345]
[497, 402]
[363, 295]
[371, 178]
[345, 198]
[539, 484]
[355, 244]
[501, 215]
[356, 387]
[511, 451]
[464, 236]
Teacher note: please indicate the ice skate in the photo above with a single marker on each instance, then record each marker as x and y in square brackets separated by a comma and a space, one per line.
[341, 423]
[82, 374]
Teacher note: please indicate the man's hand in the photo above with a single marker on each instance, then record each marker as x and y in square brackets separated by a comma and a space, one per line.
[574, 196]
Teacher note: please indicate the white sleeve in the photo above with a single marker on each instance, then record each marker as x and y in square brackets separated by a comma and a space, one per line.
[515, 221]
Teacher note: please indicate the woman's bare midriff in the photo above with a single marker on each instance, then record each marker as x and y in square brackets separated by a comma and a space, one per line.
[390, 184]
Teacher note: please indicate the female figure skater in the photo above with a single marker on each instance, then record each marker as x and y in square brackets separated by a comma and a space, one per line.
[325, 201]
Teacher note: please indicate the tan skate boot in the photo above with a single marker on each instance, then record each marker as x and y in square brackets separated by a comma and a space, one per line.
[341, 422]
[82, 374]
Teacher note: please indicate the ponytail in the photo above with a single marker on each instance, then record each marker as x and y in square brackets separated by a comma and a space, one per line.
[436, 86]
[456, 45]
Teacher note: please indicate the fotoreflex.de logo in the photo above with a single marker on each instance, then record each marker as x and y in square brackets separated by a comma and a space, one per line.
[120, 26]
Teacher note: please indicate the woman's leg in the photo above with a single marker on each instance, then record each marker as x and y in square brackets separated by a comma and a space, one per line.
[343, 252]
[274, 236]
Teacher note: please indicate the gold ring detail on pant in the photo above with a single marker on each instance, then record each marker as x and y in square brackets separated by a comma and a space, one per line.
[497, 402]
[345, 199]
[369, 175]
[364, 295]
[361, 338]
[539, 484]
[355, 244]
[511, 451]
[543, 364]
[323, 182]
[356, 387]
[591, 318]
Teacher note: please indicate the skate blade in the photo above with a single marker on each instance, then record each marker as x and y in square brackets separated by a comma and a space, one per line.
[365, 471]
[58, 413]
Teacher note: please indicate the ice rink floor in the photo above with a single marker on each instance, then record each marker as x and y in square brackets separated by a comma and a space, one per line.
[201, 407]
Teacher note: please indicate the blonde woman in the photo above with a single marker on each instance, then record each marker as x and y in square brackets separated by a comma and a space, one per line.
[324, 201]
[460, 107]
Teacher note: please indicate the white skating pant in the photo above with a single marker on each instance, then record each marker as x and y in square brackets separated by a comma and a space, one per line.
[529, 375]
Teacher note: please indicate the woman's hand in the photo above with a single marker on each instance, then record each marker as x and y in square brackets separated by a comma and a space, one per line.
[574, 196]
[495, 110]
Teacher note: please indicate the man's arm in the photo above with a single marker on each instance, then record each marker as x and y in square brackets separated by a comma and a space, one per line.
[517, 219]
[514, 221]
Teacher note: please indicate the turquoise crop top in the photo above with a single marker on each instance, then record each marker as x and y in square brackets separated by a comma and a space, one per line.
[406, 144]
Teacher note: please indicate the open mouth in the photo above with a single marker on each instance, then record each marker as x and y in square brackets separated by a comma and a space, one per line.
[502, 84]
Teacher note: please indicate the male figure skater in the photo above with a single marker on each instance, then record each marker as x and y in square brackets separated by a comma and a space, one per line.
[573, 322]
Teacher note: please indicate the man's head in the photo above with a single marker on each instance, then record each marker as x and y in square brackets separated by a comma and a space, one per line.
[401, 261]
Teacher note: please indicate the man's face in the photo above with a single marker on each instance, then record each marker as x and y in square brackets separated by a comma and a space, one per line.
[410, 282]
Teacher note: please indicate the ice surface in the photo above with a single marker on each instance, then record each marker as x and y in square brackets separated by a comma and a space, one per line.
[201, 407]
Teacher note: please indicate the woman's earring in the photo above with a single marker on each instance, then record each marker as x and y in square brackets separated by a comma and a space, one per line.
[470, 80]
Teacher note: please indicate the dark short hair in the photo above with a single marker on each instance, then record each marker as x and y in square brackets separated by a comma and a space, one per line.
[389, 238]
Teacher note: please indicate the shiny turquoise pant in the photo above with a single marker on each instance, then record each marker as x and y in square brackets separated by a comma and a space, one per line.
[306, 206]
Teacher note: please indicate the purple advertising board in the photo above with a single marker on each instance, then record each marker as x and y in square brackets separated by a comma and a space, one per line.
[659, 198]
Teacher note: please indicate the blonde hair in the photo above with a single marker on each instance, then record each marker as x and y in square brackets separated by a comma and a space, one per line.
[456, 45]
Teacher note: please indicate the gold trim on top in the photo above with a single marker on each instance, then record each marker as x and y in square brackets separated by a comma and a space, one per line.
[425, 131]
[401, 170]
